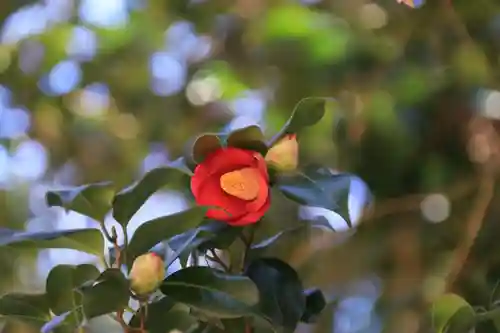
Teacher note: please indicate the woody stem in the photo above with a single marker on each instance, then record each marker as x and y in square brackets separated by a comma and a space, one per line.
[212, 256]
[248, 245]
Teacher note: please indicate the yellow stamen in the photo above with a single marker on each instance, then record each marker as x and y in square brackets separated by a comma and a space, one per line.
[243, 183]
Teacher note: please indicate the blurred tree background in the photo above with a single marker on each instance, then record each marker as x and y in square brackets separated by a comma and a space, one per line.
[95, 90]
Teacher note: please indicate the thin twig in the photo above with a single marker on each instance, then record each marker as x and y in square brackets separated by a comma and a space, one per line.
[143, 312]
[106, 233]
[125, 244]
[248, 244]
[473, 226]
[215, 258]
[118, 251]
[119, 318]
[113, 238]
[413, 202]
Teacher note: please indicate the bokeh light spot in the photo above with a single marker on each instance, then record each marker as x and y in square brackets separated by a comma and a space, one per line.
[435, 208]
[29, 161]
[64, 77]
[105, 14]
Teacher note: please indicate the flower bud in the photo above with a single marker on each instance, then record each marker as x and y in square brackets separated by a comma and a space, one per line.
[146, 274]
[284, 155]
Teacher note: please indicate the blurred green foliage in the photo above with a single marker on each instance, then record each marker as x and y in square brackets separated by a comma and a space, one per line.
[406, 83]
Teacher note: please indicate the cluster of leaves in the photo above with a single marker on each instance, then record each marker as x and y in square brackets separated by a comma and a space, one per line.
[240, 292]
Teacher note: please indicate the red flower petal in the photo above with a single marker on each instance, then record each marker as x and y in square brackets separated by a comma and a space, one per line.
[260, 163]
[205, 185]
[256, 205]
[228, 207]
[251, 218]
[225, 159]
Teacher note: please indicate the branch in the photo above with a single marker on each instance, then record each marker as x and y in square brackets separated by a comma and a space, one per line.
[215, 258]
[473, 226]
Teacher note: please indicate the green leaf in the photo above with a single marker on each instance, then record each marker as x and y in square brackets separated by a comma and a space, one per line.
[86, 240]
[165, 316]
[181, 165]
[307, 112]
[273, 238]
[315, 303]
[93, 200]
[187, 244]
[204, 145]
[212, 292]
[209, 235]
[225, 325]
[223, 236]
[250, 138]
[450, 313]
[108, 294]
[61, 287]
[63, 323]
[319, 188]
[30, 309]
[281, 291]
[130, 200]
[153, 232]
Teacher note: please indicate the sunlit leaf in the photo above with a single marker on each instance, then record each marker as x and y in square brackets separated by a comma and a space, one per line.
[93, 200]
[61, 323]
[250, 138]
[307, 112]
[85, 240]
[450, 313]
[153, 232]
[30, 309]
[128, 201]
[61, 289]
[204, 145]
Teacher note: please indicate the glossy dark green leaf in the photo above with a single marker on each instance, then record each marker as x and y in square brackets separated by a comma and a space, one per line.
[315, 303]
[188, 243]
[183, 259]
[181, 165]
[451, 313]
[223, 236]
[165, 316]
[319, 188]
[204, 145]
[61, 288]
[153, 232]
[211, 291]
[281, 291]
[30, 309]
[209, 233]
[128, 201]
[86, 240]
[250, 138]
[263, 243]
[93, 200]
[307, 112]
[108, 294]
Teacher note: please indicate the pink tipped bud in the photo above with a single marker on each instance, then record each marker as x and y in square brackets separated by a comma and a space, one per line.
[146, 274]
[284, 155]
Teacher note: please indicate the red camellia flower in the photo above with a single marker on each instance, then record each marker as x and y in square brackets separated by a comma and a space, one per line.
[236, 180]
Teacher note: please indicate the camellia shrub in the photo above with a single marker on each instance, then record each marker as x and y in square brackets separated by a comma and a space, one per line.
[232, 180]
